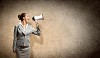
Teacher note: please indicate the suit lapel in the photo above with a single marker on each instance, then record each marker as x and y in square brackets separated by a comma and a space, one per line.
[21, 29]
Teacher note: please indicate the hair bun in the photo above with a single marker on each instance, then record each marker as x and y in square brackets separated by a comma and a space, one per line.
[19, 16]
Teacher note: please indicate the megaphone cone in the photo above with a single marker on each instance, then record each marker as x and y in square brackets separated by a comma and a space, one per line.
[40, 17]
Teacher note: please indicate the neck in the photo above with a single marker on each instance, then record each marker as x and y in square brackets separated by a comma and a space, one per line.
[23, 22]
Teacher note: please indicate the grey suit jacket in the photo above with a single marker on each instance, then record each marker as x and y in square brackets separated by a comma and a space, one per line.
[21, 37]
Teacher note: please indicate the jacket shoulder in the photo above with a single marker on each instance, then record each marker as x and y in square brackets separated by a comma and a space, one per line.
[16, 26]
[29, 25]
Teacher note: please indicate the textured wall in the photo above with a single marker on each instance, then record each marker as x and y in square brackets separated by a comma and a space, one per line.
[70, 28]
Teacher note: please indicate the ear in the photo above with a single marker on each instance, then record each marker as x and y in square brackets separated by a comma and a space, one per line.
[23, 17]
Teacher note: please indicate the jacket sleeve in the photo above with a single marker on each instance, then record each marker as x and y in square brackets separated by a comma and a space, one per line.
[15, 38]
[36, 32]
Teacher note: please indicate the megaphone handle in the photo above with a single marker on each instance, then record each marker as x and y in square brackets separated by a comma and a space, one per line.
[36, 21]
[37, 24]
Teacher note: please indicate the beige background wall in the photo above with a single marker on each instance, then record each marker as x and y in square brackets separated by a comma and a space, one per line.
[70, 28]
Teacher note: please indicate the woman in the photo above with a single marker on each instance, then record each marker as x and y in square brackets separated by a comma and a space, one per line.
[21, 42]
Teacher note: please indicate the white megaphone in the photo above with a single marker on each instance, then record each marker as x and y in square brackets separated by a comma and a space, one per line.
[40, 17]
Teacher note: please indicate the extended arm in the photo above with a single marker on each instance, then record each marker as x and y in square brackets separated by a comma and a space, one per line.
[37, 31]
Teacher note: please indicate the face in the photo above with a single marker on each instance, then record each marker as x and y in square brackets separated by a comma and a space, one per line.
[26, 18]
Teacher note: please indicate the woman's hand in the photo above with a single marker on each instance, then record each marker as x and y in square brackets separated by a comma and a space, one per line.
[37, 24]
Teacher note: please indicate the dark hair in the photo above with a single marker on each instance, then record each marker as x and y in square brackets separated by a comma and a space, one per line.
[20, 16]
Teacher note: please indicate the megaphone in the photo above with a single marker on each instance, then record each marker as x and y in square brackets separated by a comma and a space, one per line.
[40, 17]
